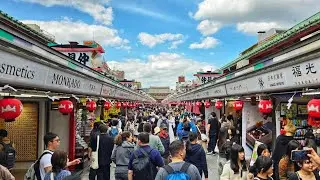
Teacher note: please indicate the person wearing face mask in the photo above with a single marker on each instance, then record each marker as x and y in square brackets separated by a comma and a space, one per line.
[121, 154]
[264, 168]
[306, 171]
[236, 167]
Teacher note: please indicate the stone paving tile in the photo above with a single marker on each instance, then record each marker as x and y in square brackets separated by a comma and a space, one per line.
[212, 168]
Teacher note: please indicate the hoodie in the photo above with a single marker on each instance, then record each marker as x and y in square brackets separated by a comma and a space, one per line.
[197, 156]
[120, 156]
[281, 147]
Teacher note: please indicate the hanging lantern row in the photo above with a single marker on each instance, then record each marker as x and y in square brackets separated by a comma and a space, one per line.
[238, 105]
[218, 104]
[265, 106]
[10, 108]
[207, 104]
[65, 107]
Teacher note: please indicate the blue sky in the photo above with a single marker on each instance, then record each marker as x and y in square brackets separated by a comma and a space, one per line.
[138, 35]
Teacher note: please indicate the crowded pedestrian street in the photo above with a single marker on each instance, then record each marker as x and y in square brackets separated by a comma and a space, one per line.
[159, 90]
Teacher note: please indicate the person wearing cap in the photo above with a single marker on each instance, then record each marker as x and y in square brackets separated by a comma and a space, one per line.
[165, 139]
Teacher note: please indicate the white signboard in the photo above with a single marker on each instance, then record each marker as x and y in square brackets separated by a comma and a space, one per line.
[18, 71]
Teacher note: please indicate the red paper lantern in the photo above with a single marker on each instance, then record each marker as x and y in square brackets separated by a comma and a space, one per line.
[10, 108]
[265, 106]
[207, 104]
[130, 105]
[238, 105]
[218, 104]
[118, 105]
[91, 106]
[107, 105]
[198, 103]
[314, 108]
[124, 104]
[134, 105]
[65, 107]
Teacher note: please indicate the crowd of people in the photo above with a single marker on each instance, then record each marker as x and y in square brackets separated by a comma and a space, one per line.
[163, 143]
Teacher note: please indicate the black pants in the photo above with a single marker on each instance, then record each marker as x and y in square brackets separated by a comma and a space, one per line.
[103, 173]
[92, 174]
[212, 142]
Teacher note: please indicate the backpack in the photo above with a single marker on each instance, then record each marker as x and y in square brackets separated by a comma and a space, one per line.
[113, 132]
[142, 166]
[33, 172]
[178, 175]
[8, 156]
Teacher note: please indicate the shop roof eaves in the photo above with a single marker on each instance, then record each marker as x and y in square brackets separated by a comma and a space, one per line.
[23, 26]
[315, 19]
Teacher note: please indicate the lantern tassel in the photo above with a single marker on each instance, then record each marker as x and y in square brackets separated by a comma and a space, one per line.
[7, 87]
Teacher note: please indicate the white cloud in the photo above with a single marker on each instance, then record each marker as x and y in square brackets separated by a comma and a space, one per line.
[207, 27]
[67, 30]
[98, 9]
[175, 44]
[153, 40]
[284, 13]
[161, 69]
[254, 27]
[206, 43]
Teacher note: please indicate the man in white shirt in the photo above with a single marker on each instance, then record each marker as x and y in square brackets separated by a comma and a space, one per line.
[52, 142]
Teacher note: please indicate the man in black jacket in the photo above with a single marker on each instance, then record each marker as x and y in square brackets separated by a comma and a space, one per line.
[104, 153]
[213, 131]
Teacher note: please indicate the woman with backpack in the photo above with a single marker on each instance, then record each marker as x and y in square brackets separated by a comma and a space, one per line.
[59, 162]
[236, 167]
[196, 155]
[121, 154]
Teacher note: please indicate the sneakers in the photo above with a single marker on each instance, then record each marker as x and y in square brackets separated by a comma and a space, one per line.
[209, 153]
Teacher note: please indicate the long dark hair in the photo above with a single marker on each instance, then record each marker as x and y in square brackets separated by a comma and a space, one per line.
[192, 136]
[234, 156]
[223, 134]
[58, 161]
[292, 145]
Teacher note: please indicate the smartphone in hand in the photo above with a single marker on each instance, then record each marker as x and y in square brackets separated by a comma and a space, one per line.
[300, 155]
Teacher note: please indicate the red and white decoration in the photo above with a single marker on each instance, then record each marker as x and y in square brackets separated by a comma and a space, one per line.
[314, 112]
[207, 104]
[238, 105]
[65, 107]
[265, 106]
[107, 105]
[124, 104]
[118, 105]
[10, 108]
[198, 103]
[91, 106]
[218, 104]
